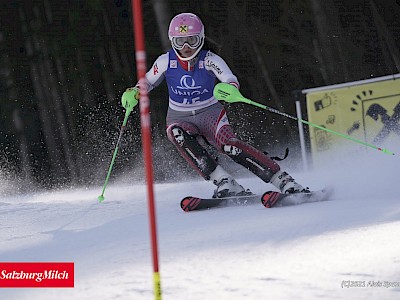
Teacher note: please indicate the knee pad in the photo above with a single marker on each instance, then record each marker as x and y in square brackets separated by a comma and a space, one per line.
[231, 150]
[191, 150]
[178, 134]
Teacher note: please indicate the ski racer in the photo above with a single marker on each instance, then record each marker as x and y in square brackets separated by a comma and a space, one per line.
[193, 114]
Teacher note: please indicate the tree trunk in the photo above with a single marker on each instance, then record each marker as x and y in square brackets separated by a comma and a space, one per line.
[388, 38]
[106, 75]
[87, 88]
[49, 80]
[19, 127]
[38, 76]
[324, 40]
[260, 63]
[163, 17]
[47, 124]
[23, 146]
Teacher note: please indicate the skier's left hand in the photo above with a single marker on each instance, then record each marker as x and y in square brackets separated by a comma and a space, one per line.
[130, 98]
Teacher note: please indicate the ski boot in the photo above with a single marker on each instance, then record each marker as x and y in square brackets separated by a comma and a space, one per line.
[286, 184]
[226, 185]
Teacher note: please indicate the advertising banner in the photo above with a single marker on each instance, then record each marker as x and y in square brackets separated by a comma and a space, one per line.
[368, 111]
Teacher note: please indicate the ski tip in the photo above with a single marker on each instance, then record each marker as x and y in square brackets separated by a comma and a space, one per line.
[189, 203]
[270, 198]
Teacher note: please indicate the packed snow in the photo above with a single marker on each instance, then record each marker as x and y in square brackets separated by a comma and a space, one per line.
[310, 251]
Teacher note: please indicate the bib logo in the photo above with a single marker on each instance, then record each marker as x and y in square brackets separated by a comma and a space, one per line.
[189, 90]
[187, 82]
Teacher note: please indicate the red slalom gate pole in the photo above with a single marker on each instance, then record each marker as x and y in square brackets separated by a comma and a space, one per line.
[146, 136]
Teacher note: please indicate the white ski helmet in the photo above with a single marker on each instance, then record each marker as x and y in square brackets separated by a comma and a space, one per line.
[186, 29]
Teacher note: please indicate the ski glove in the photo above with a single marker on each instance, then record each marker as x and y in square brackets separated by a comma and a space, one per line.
[130, 98]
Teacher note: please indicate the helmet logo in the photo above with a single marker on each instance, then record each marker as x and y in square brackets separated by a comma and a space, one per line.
[183, 29]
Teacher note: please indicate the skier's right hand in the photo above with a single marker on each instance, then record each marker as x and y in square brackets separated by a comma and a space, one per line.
[130, 98]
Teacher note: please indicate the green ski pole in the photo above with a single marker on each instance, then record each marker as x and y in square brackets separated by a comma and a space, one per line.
[229, 93]
[129, 101]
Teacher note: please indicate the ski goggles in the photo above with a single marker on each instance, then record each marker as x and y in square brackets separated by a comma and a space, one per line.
[193, 42]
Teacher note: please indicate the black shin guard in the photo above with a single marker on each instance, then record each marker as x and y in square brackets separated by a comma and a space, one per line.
[252, 159]
[192, 151]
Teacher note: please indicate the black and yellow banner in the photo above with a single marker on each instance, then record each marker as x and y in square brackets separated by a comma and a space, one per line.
[369, 111]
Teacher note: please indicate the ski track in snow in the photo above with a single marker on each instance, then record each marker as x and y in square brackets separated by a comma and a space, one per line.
[297, 252]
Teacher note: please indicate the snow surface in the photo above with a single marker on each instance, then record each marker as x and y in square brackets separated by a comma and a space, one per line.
[308, 251]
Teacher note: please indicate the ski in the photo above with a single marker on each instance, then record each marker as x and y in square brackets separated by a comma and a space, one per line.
[268, 199]
[277, 199]
[195, 203]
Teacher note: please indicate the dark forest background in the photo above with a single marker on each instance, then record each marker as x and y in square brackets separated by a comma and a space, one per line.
[65, 64]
